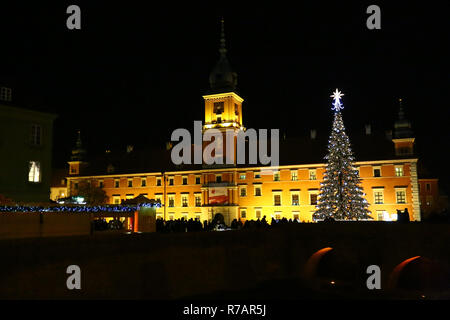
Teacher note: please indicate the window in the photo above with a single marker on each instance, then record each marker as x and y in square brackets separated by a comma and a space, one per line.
[75, 185]
[378, 196]
[219, 178]
[277, 199]
[158, 197]
[257, 175]
[185, 180]
[243, 214]
[198, 200]
[34, 171]
[129, 196]
[197, 180]
[36, 135]
[171, 216]
[399, 171]
[116, 183]
[295, 199]
[171, 201]
[376, 171]
[429, 200]
[312, 174]
[110, 168]
[294, 176]
[236, 109]
[401, 196]
[276, 176]
[380, 215]
[5, 94]
[116, 199]
[296, 215]
[258, 213]
[184, 200]
[243, 191]
[100, 184]
[171, 181]
[313, 198]
[184, 215]
[277, 215]
[158, 182]
[130, 183]
[242, 176]
[257, 191]
[143, 182]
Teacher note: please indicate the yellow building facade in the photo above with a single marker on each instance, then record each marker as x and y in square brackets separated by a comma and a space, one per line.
[252, 192]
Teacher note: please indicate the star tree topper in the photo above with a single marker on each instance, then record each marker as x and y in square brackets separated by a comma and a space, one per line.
[337, 105]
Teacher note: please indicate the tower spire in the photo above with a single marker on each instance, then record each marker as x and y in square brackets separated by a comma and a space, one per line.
[78, 143]
[78, 153]
[222, 49]
[401, 113]
[222, 78]
[402, 125]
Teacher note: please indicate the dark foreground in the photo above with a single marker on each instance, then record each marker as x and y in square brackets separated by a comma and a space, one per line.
[256, 264]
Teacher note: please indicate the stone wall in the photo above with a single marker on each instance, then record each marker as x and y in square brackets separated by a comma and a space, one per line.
[49, 224]
[167, 266]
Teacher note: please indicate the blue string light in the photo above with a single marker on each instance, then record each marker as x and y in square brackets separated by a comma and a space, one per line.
[78, 208]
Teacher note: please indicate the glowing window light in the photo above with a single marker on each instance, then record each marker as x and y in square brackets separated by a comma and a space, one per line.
[34, 172]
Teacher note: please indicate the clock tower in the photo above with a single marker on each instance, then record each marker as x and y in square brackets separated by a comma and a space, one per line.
[223, 106]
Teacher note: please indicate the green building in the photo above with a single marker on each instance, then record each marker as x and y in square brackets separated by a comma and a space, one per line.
[26, 139]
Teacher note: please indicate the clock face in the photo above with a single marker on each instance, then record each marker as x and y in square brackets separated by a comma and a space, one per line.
[218, 107]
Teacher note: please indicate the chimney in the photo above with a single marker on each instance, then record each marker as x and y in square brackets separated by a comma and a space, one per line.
[313, 134]
[368, 129]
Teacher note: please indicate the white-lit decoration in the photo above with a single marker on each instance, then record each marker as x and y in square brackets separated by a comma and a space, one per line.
[337, 105]
[34, 172]
[340, 196]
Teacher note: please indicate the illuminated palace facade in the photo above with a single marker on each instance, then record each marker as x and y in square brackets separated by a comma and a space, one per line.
[390, 181]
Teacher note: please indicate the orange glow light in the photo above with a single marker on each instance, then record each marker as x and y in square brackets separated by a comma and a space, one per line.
[393, 278]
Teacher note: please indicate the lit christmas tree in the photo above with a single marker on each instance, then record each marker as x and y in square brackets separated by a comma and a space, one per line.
[340, 197]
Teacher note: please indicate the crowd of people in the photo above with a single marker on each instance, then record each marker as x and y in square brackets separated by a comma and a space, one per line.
[179, 225]
[183, 225]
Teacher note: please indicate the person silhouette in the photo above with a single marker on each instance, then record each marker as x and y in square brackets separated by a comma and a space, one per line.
[399, 215]
[406, 215]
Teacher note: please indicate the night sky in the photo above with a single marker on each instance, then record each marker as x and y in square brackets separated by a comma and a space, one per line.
[136, 72]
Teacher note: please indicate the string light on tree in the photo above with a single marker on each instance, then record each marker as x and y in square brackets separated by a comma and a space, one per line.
[340, 196]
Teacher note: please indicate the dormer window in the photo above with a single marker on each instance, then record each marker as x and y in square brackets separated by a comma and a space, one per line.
[110, 168]
[5, 94]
